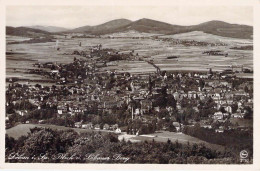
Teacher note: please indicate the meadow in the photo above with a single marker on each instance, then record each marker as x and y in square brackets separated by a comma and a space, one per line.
[23, 129]
[162, 136]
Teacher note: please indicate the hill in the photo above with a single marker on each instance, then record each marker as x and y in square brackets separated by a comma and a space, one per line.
[103, 28]
[157, 27]
[51, 29]
[26, 32]
[221, 28]
[151, 26]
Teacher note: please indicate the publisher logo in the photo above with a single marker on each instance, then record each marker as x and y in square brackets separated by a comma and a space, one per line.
[244, 156]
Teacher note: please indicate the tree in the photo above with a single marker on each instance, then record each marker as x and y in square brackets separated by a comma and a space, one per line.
[171, 101]
[172, 128]
[41, 141]
[210, 71]
[248, 113]
[246, 89]
[163, 113]
[9, 142]
[234, 107]
[222, 109]
[201, 83]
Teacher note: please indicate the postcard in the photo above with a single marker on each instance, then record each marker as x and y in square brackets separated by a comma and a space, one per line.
[130, 84]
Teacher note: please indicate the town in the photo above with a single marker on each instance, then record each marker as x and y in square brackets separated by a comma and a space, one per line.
[85, 96]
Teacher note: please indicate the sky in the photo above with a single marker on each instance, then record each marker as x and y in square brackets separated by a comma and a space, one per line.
[77, 16]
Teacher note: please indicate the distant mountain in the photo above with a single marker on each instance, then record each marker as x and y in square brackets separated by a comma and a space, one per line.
[26, 32]
[103, 28]
[51, 29]
[80, 29]
[121, 25]
[221, 28]
[152, 26]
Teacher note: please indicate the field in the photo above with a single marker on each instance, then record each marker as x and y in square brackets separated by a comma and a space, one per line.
[189, 57]
[204, 37]
[163, 136]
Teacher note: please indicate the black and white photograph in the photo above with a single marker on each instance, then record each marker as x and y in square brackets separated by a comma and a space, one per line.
[129, 84]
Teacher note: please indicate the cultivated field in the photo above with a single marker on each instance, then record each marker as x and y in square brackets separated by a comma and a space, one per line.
[22, 56]
[204, 37]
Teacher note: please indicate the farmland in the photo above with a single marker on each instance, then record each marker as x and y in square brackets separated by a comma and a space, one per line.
[189, 57]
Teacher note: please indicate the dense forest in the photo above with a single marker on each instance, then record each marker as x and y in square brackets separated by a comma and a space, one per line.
[53, 146]
[235, 140]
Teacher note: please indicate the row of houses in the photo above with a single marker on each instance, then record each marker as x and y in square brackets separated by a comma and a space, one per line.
[114, 127]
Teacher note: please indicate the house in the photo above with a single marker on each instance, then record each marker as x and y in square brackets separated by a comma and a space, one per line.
[192, 94]
[176, 96]
[118, 131]
[110, 104]
[145, 106]
[21, 112]
[239, 104]
[87, 126]
[237, 115]
[114, 127]
[61, 110]
[106, 127]
[196, 109]
[204, 76]
[228, 109]
[218, 116]
[219, 130]
[40, 121]
[137, 111]
[225, 114]
[206, 126]
[157, 109]
[54, 71]
[169, 108]
[178, 106]
[240, 110]
[78, 124]
[177, 125]
[229, 96]
[97, 127]
[202, 96]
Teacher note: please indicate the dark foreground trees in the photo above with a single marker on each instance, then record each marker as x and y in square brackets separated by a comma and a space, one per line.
[234, 140]
[46, 145]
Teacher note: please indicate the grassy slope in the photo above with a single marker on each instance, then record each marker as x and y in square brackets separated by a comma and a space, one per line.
[180, 137]
[24, 129]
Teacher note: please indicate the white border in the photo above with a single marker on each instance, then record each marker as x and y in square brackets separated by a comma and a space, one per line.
[254, 3]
